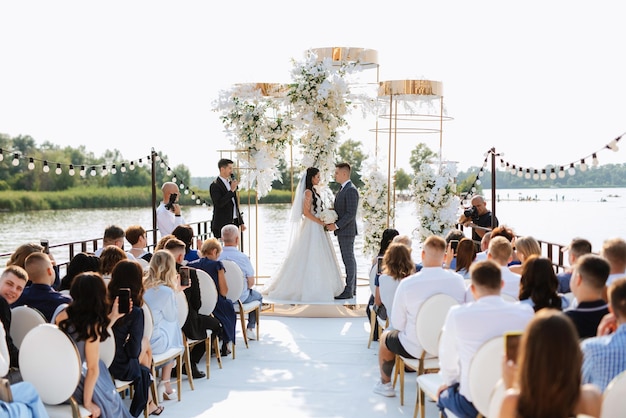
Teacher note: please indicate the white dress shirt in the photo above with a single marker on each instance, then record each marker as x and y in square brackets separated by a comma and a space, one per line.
[166, 220]
[469, 326]
[412, 292]
[511, 285]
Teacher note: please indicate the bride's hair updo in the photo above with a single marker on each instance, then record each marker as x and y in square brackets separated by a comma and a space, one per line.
[310, 173]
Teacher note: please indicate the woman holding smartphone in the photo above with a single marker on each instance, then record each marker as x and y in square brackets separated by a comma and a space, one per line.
[161, 284]
[132, 359]
[546, 381]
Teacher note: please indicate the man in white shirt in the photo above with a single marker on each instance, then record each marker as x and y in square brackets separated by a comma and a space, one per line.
[230, 251]
[113, 235]
[614, 251]
[168, 213]
[410, 294]
[469, 326]
[500, 251]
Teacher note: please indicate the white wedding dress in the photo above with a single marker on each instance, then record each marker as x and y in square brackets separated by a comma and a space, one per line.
[310, 271]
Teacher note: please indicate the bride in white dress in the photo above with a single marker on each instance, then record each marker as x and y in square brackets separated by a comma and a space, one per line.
[310, 271]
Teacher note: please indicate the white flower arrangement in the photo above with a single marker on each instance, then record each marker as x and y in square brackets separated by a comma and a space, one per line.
[437, 202]
[328, 216]
[320, 99]
[255, 123]
[374, 203]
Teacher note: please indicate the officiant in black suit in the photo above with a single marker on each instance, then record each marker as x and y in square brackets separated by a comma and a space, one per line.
[224, 196]
[346, 205]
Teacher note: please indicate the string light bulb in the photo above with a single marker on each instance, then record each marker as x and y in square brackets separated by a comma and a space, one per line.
[93, 171]
[527, 174]
[132, 165]
[71, 171]
[16, 160]
[613, 145]
[174, 179]
[82, 171]
[502, 165]
[46, 167]
[583, 166]
[169, 171]
[140, 162]
[520, 172]
[193, 195]
[113, 169]
[571, 170]
[478, 182]
[594, 160]
[181, 186]
[162, 164]
[104, 171]
[543, 176]
[1, 155]
[58, 170]
[562, 172]
[187, 191]
[513, 169]
[536, 175]
[31, 164]
[552, 174]
[123, 168]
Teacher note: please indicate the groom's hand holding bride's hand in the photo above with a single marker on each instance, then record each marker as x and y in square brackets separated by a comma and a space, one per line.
[331, 227]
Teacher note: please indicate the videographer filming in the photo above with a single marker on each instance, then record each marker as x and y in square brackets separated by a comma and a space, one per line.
[168, 213]
[478, 216]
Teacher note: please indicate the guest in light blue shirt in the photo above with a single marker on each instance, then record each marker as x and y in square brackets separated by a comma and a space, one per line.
[604, 357]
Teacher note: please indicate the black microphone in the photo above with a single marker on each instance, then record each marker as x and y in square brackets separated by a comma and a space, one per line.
[232, 177]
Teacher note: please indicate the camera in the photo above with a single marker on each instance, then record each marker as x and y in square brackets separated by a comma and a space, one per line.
[471, 213]
[172, 201]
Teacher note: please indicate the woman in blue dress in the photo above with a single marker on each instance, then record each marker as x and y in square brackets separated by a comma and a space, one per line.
[161, 285]
[86, 320]
[224, 311]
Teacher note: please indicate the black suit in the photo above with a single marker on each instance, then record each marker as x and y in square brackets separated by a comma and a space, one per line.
[5, 317]
[222, 198]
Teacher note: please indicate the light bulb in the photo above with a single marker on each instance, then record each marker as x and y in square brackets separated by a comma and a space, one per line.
[113, 169]
[527, 174]
[583, 166]
[193, 196]
[594, 160]
[174, 179]
[71, 171]
[478, 182]
[169, 171]
[132, 165]
[58, 170]
[473, 189]
[46, 167]
[481, 173]
[82, 171]
[502, 163]
[93, 171]
[140, 163]
[543, 176]
[162, 165]
[187, 191]
[1, 155]
[552, 174]
[123, 168]
[536, 175]
[561, 172]
[520, 173]
[104, 171]
[181, 186]
[31, 164]
[571, 170]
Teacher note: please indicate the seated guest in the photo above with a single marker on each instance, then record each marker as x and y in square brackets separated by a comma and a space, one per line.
[109, 257]
[40, 294]
[546, 381]
[397, 265]
[453, 235]
[196, 324]
[465, 256]
[525, 247]
[113, 235]
[26, 401]
[507, 232]
[80, 263]
[604, 357]
[577, 248]
[410, 294]
[19, 257]
[230, 238]
[588, 285]
[224, 310]
[614, 251]
[12, 283]
[375, 302]
[406, 240]
[132, 360]
[538, 285]
[185, 234]
[467, 328]
[484, 246]
[136, 236]
[500, 251]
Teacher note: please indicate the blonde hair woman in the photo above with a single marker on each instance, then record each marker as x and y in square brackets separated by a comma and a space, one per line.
[525, 247]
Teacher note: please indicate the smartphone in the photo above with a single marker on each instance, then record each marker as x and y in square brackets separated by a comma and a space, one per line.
[124, 300]
[184, 276]
[379, 262]
[453, 244]
[511, 344]
[46, 245]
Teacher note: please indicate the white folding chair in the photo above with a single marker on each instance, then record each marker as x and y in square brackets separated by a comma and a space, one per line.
[428, 324]
[484, 372]
[208, 299]
[496, 398]
[613, 398]
[235, 280]
[54, 371]
[23, 319]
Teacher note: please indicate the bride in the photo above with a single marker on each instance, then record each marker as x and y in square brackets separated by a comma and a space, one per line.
[310, 271]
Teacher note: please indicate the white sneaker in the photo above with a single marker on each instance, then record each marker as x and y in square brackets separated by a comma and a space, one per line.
[385, 389]
[251, 333]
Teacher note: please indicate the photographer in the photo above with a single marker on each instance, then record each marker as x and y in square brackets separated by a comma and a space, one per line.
[478, 216]
[168, 212]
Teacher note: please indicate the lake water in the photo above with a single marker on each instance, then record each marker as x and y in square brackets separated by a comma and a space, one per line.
[554, 215]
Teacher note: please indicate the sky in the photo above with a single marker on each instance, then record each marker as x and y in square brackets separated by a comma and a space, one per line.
[541, 81]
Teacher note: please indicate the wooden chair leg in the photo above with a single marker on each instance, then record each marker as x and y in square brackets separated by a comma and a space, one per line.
[243, 325]
[187, 360]
[372, 328]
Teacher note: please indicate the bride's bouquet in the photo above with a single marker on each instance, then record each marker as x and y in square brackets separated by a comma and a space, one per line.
[328, 216]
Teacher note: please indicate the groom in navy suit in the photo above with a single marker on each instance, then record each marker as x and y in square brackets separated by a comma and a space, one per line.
[346, 204]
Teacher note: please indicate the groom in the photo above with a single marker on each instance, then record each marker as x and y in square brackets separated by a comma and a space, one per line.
[346, 204]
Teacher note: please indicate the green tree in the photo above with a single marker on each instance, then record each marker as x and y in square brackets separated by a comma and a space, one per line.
[351, 152]
[419, 155]
[403, 180]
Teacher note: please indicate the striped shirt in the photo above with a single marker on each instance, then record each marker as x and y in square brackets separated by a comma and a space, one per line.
[604, 357]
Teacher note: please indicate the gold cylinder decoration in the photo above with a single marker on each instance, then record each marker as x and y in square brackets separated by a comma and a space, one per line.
[410, 87]
[367, 58]
[275, 90]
